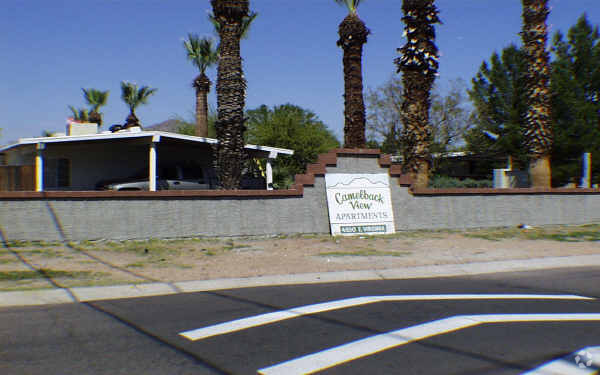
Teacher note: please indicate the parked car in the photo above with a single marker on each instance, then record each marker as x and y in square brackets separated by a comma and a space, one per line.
[176, 177]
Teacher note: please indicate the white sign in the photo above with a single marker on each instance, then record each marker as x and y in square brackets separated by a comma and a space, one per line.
[359, 204]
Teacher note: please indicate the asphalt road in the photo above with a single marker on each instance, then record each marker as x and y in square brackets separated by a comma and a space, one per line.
[142, 335]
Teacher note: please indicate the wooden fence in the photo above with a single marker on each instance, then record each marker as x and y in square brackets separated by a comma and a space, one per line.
[17, 178]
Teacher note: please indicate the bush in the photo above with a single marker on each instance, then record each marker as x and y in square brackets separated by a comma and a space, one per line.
[444, 182]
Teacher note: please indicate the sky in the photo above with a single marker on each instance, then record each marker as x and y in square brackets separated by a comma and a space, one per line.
[53, 49]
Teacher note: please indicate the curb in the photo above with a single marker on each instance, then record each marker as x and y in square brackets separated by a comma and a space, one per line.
[87, 294]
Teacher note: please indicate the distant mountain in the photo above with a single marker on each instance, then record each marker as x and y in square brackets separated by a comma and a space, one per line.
[166, 126]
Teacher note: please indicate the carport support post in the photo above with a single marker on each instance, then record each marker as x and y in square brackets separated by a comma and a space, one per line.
[152, 163]
[269, 175]
[586, 178]
[39, 166]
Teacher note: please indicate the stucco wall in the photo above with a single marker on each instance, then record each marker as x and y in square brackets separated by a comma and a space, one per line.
[112, 215]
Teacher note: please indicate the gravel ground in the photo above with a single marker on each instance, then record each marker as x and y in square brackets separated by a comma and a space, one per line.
[25, 266]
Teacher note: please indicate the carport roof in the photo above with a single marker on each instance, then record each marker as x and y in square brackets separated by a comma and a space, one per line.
[154, 135]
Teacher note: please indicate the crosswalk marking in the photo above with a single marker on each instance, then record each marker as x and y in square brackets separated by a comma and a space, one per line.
[277, 316]
[585, 361]
[371, 345]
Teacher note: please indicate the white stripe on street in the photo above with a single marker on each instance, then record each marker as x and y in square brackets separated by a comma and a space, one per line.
[268, 318]
[368, 346]
[570, 366]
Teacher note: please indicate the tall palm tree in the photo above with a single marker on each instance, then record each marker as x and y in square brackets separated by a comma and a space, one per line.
[419, 65]
[246, 23]
[231, 90]
[538, 130]
[95, 99]
[203, 54]
[353, 35]
[134, 97]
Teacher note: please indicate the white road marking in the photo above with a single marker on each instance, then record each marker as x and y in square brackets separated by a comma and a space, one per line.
[344, 353]
[268, 318]
[570, 366]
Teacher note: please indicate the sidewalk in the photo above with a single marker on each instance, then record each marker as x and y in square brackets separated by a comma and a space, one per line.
[83, 294]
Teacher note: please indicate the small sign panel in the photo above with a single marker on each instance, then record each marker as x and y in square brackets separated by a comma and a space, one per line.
[359, 204]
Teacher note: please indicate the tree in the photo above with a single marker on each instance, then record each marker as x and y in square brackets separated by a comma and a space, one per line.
[80, 115]
[538, 129]
[419, 65]
[499, 95]
[95, 99]
[188, 127]
[292, 127]
[575, 100]
[203, 54]
[450, 118]
[353, 35]
[134, 97]
[231, 90]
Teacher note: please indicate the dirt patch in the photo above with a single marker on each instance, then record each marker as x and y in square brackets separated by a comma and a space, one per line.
[107, 262]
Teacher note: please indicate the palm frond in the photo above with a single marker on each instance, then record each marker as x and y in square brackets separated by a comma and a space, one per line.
[128, 94]
[352, 5]
[202, 52]
[95, 98]
[246, 23]
[215, 23]
[81, 115]
[74, 111]
[144, 93]
[134, 96]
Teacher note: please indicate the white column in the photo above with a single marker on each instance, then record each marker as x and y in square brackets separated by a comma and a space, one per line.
[152, 167]
[269, 175]
[39, 166]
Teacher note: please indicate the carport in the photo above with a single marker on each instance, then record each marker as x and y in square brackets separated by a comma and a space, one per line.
[78, 162]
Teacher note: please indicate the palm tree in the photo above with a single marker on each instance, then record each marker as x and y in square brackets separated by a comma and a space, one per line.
[133, 97]
[353, 35]
[229, 15]
[203, 54]
[95, 99]
[80, 115]
[246, 22]
[419, 65]
[538, 131]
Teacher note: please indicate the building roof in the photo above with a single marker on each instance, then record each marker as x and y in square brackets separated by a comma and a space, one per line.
[154, 135]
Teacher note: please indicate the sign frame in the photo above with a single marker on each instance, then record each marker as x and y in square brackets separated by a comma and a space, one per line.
[359, 204]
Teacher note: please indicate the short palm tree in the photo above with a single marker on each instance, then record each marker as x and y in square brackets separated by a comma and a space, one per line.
[203, 53]
[419, 65]
[353, 35]
[229, 16]
[95, 99]
[134, 97]
[80, 115]
[538, 130]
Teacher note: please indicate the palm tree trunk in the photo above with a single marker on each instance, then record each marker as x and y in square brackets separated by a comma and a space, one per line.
[96, 117]
[202, 86]
[538, 131]
[231, 89]
[417, 131]
[418, 65]
[132, 121]
[353, 35]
